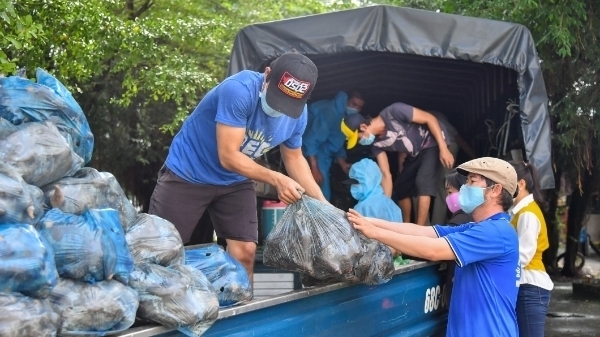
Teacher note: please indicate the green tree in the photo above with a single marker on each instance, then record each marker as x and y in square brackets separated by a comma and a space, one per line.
[137, 67]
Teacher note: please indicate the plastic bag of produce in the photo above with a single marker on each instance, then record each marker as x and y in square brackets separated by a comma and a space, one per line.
[152, 239]
[38, 152]
[22, 316]
[22, 101]
[177, 297]
[94, 309]
[90, 189]
[26, 262]
[376, 265]
[19, 201]
[316, 239]
[227, 275]
[90, 247]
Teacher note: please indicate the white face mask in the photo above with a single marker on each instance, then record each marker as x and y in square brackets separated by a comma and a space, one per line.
[266, 108]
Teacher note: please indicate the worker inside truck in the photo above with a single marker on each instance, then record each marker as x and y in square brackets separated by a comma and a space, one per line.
[403, 128]
[323, 141]
[210, 163]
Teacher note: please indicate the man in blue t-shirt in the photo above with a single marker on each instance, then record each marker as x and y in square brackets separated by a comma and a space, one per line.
[210, 165]
[486, 279]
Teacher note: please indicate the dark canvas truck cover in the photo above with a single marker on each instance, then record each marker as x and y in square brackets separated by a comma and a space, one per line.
[381, 49]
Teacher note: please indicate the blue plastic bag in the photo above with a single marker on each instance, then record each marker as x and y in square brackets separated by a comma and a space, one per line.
[90, 189]
[152, 239]
[19, 202]
[177, 297]
[26, 262]
[226, 274]
[25, 316]
[22, 101]
[94, 309]
[90, 247]
[37, 151]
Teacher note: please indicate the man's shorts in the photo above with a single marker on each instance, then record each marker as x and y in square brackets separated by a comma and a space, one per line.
[232, 208]
[419, 176]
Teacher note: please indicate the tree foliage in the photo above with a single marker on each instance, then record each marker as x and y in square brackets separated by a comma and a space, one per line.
[137, 67]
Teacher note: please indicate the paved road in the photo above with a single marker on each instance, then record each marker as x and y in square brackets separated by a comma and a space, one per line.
[573, 317]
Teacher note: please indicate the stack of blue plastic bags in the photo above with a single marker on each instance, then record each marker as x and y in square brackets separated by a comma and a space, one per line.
[76, 258]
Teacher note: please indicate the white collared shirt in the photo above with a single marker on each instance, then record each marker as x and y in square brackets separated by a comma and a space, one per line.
[528, 229]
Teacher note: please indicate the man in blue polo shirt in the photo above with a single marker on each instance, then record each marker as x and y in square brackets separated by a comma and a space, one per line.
[486, 280]
[211, 164]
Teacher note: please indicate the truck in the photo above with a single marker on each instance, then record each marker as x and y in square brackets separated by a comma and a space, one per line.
[483, 75]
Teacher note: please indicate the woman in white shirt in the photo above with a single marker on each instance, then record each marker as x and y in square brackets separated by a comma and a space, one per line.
[528, 220]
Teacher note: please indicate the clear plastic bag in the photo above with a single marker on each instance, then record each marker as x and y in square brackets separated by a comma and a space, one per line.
[177, 297]
[226, 274]
[94, 309]
[22, 101]
[152, 239]
[22, 316]
[89, 189]
[26, 262]
[90, 247]
[316, 239]
[38, 152]
[19, 202]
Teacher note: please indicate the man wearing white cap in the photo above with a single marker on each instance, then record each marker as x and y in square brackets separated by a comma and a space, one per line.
[486, 251]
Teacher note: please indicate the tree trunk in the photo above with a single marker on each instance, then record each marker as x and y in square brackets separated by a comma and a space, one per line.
[549, 256]
[577, 212]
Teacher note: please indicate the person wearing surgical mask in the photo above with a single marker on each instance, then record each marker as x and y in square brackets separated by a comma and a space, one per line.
[404, 129]
[486, 251]
[454, 181]
[211, 163]
[323, 141]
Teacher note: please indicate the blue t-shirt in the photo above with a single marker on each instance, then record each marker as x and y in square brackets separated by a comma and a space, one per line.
[193, 154]
[486, 279]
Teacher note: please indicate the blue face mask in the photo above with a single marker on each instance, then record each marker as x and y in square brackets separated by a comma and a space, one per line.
[470, 197]
[266, 108]
[367, 141]
[350, 110]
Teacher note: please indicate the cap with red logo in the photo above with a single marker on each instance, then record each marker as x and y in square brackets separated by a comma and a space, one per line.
[293, 77]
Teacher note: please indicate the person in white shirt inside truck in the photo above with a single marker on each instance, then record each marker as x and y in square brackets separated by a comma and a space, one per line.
[404, 129]
[488, 273]
[210, 165]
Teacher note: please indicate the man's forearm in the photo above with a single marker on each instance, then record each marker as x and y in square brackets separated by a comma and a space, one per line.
[386, 184]
[404, 228]
[434, 126]
[298, 169]
[432, 249]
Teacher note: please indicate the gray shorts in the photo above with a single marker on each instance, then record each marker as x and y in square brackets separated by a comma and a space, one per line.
[232, 208]
[419, 176]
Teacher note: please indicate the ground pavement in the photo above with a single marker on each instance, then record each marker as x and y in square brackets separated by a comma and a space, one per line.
[574, 317]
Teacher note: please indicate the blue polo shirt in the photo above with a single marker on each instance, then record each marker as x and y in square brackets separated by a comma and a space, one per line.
[486, 279]
[193, 154]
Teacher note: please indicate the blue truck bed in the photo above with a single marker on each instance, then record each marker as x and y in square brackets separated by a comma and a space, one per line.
[413, 303]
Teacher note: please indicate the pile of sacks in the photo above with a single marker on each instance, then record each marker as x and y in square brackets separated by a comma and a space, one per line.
[75, 255]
